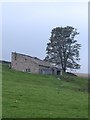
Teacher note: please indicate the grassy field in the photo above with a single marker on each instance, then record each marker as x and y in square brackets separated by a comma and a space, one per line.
[0, 91]
[28, 95]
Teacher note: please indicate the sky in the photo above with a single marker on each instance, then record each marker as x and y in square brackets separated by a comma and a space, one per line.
[26, 27]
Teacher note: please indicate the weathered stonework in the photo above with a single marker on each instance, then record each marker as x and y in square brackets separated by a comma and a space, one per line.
[25, 63]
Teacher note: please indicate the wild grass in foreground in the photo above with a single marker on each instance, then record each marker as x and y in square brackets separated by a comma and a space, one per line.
[28, 95]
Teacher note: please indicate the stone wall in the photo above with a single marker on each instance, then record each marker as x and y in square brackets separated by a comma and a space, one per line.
[45, 70]
[23, 63]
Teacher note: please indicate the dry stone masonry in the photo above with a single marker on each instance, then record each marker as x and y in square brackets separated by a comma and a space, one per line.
[25, 63]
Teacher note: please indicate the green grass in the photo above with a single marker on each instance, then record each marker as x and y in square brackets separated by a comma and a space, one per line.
[28, 95]
[0, 91]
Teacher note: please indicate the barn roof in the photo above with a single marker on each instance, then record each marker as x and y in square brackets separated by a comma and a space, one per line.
[42, 62]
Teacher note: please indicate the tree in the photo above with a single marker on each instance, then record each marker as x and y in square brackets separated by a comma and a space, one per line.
[63, 48]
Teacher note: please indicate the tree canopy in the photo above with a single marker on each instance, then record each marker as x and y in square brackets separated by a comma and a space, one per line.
[63, 48]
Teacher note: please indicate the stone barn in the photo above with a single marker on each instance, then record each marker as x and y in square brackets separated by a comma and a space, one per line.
[25, 63]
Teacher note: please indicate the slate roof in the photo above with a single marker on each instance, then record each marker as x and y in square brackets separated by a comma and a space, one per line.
[42, 62]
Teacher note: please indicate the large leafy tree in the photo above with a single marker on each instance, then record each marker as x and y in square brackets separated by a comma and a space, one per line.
[63, 48]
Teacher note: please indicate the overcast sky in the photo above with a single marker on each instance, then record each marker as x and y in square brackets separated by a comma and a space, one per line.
[26, 27]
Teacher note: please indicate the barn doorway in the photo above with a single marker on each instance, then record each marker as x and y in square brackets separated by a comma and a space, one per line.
[58, 72]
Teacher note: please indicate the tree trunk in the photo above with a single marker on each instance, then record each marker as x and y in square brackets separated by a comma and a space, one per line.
[64, 69]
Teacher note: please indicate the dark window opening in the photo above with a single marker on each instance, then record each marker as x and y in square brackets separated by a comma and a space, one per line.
[58, 72]
[28, 70]
[25, 59]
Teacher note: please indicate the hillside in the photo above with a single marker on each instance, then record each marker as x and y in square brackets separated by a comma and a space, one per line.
[83, 75]
[0, 91]
[28, 95]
